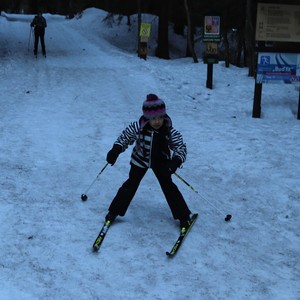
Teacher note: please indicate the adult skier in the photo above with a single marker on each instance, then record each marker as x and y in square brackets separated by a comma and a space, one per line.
[39, 23]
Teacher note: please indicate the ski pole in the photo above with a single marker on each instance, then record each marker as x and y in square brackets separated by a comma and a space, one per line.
[84, 196]
[29, 39]
[228, 216]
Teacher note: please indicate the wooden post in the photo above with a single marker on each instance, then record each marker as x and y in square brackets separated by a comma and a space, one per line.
[298, 116]
[139, 26]
[143, 50]
[209, 80]
[257, 100]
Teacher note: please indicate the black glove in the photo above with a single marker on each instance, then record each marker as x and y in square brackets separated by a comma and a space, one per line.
[173, 164]
[113, 154]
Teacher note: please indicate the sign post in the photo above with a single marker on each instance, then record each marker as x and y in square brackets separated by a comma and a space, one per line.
[298, 115]
[144, 35]
[277, 37]
[211, 37]
[257, 100]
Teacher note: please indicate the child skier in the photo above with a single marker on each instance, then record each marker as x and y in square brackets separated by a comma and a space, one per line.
[157, 146]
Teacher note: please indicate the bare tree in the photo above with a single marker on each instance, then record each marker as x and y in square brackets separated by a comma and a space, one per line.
[250, 36]
[162, 50]
[189, 32]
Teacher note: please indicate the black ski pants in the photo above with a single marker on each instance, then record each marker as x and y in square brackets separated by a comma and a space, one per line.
[127, 191]
[39, 34]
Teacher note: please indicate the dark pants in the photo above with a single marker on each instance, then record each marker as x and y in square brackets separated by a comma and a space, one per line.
[127, 191]
[39, 35]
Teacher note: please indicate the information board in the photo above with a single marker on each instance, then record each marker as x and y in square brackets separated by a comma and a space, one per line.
[278, 22]
[278, 68]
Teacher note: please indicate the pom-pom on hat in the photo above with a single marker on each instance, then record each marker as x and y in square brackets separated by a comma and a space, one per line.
[153, 107]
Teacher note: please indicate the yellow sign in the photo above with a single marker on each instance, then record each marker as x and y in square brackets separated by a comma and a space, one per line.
[278, 22]
[145, 30]
[211, 49]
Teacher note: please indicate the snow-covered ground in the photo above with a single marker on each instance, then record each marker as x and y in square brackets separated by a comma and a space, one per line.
[58, 118]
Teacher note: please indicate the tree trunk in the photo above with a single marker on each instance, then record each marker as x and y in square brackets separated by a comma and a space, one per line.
[139, 24]
[189, 32]
[224, 30]
[240, 43]
[162, 50]
[250, 36]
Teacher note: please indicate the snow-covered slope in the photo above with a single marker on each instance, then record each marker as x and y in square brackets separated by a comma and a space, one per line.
[58, 118]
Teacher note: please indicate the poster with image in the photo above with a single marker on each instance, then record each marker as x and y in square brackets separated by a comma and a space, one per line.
[278, 68]
[212, 31]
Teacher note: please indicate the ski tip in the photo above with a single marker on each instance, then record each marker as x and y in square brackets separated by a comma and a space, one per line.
[194, 216]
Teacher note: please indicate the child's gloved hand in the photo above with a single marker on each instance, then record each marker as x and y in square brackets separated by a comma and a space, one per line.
[113, 154]
[173, 164]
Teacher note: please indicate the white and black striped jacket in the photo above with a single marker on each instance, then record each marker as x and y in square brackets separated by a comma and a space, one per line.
[152, 145]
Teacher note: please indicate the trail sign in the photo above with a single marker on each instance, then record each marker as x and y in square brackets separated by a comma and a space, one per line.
[145, 31]
[278, 68]
[211, 29]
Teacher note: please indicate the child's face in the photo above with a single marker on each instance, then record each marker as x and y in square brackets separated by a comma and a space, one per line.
[157, 122]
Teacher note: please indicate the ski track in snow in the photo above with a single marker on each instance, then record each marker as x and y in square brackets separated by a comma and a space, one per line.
[60, 116]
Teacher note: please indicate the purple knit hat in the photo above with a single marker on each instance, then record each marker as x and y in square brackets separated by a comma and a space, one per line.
[153, 107]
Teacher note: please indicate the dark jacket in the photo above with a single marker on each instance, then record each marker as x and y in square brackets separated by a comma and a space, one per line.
[152, 146]
[39, 23]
